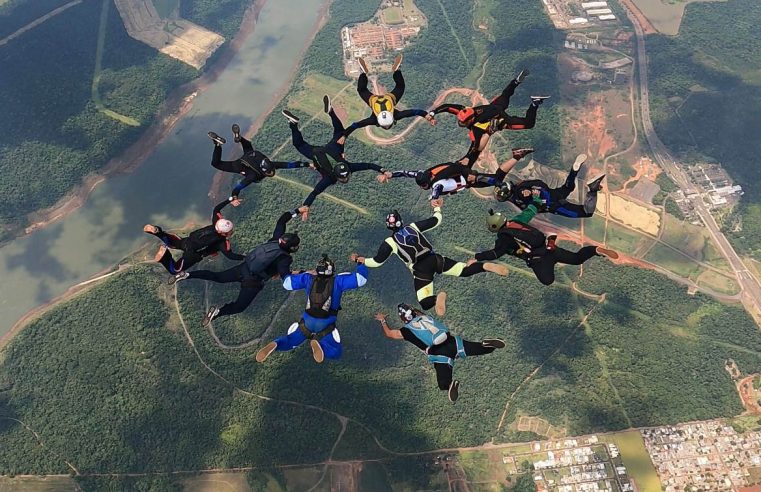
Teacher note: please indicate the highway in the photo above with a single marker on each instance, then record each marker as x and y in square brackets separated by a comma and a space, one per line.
[748, 283]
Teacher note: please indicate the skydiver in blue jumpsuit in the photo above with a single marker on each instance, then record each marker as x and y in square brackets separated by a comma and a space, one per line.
[318, 324]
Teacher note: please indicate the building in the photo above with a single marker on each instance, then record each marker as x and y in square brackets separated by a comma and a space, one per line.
[594, 5]
[607, 17]
[599, 11]
[578, 20]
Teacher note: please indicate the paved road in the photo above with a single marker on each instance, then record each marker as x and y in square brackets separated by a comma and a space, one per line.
[748, 283]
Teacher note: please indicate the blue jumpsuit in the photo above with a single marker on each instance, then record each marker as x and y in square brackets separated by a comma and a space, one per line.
[331, 344]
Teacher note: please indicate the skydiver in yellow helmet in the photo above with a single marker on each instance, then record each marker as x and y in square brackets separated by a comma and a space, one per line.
[385, 114]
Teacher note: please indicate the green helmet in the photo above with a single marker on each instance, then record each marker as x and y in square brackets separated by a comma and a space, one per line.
[495, 221]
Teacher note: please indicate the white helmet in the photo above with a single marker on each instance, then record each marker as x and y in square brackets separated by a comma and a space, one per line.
[386, 119]
[223, 226]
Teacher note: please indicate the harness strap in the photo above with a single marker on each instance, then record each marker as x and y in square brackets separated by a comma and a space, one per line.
[440, 359]
[460, 347]
[315, 336]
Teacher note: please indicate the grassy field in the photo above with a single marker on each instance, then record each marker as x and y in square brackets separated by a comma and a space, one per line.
[673, 261]
[392, 15]
[718, 282]
[37, 484]
[622, 239]
[636, 460]
[666, 17]
[212, 482]
[166, 7]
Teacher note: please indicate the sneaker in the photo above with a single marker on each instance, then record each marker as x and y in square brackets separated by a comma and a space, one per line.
[441, 304]
[292, 118]
[551, 238]
[178, 277]
[595, 184]
[397, 62]
[580, 160]
[519, 154]
[363, 65]
[151, 229]
[497, 268]
[317, 352]
[493, 343]
[216, 138]
[236, 132]
[454, 391]
[537, 100]
[326, 106]
[609, 253]
[160, 253]
[212, 313]
[522, 76]
[265, 352]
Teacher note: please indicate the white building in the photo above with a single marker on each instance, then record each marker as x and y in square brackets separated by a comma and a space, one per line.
[599, 11]
[607, 17]
[594, 5]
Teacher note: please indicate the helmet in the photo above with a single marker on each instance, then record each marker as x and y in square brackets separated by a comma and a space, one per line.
[406, 312]
[423, 179]
[394, 220]
[289, 242]
[503, 191]
[465, 116]
[326, 267]
[386, 119]
[266, 167]
[495, 221]
[342, 172]
[224, 227]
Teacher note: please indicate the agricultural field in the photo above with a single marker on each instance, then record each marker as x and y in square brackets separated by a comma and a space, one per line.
[37, 484]
[666, 15]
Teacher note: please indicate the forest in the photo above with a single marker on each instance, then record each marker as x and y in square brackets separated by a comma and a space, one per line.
[52, 134]
[113, 383]
[693, 111]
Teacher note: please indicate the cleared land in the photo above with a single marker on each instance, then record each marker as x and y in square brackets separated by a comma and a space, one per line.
[666, 16]
[37, 484]
[177, 38]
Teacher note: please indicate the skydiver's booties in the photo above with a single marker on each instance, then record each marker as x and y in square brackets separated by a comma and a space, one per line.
[318, 323]
[329, 160]
[207, 241]
[268, 260]
[451, 178]
[384, 112]
[517, 238]
[442, 348]
[553, 200]
[485, 120]
[416, 251]
[253, 165]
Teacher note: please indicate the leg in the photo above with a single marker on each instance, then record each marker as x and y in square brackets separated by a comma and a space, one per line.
[398, 90]
[567, 209]
[424, 292]
[302, 146]
[458, 268]
[331, 345]
[443, 375]
[577, 258]
[503, 100]
[362, 89]
[246, 144]
[171, 240]
[226, 166]
[338, 126]
[518, 123]
[291, 340]
[224, 277]
[544, 268]
[476, 348]
[484, 180]
[245, 298]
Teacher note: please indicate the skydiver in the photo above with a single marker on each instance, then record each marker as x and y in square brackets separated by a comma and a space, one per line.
[318, 323]
[517, 238]
[384, 112]
[553, 200]
[329, 160]
[203, 242]
[265, 261]
[442, 348]
[414, 249]
[253, 165]
[450, 178]
[485, 120]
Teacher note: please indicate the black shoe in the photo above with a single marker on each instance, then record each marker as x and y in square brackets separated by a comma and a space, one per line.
[326, 104]
[454, 391]
[216, 138]
[292, 118]
[397, 62]
[538, 100]
[522, 76]
[595, 184]
[551, 238]
[519, 154]
[236, 132]
[212, 313]
[493, 343]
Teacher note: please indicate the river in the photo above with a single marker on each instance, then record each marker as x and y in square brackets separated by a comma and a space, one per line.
[171, 186]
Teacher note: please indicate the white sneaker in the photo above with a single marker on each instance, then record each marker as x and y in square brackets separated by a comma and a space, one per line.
[580, 160]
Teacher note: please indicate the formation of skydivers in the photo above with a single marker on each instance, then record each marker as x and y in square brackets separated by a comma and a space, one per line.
[324, 287]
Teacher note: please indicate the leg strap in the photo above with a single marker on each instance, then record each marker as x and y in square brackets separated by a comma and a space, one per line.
[315, 336]
[460, 347]
[440, 359]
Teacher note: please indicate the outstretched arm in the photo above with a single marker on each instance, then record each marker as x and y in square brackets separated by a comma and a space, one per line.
[408, 113]
[529, 213]
[501, 248]
[429, 223]
[405, 174]
[353, 280]
[281, 224]
[448, 108]
[290, 164]
[387, 330]
[228, 252]
[216, 214]
[297, 281]
[319, 188]
[240, 186]
[385, 250]
[370, 120]
[366, 166]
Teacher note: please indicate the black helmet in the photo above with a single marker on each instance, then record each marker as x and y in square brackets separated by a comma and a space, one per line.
[423, 179]
[503, 191]
[406, 312]
[342, 172]
[266, 167]
[290, 242]
[394, 220]
[326, 267]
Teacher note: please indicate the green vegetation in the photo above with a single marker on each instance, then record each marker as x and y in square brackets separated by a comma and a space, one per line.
[715, 54]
